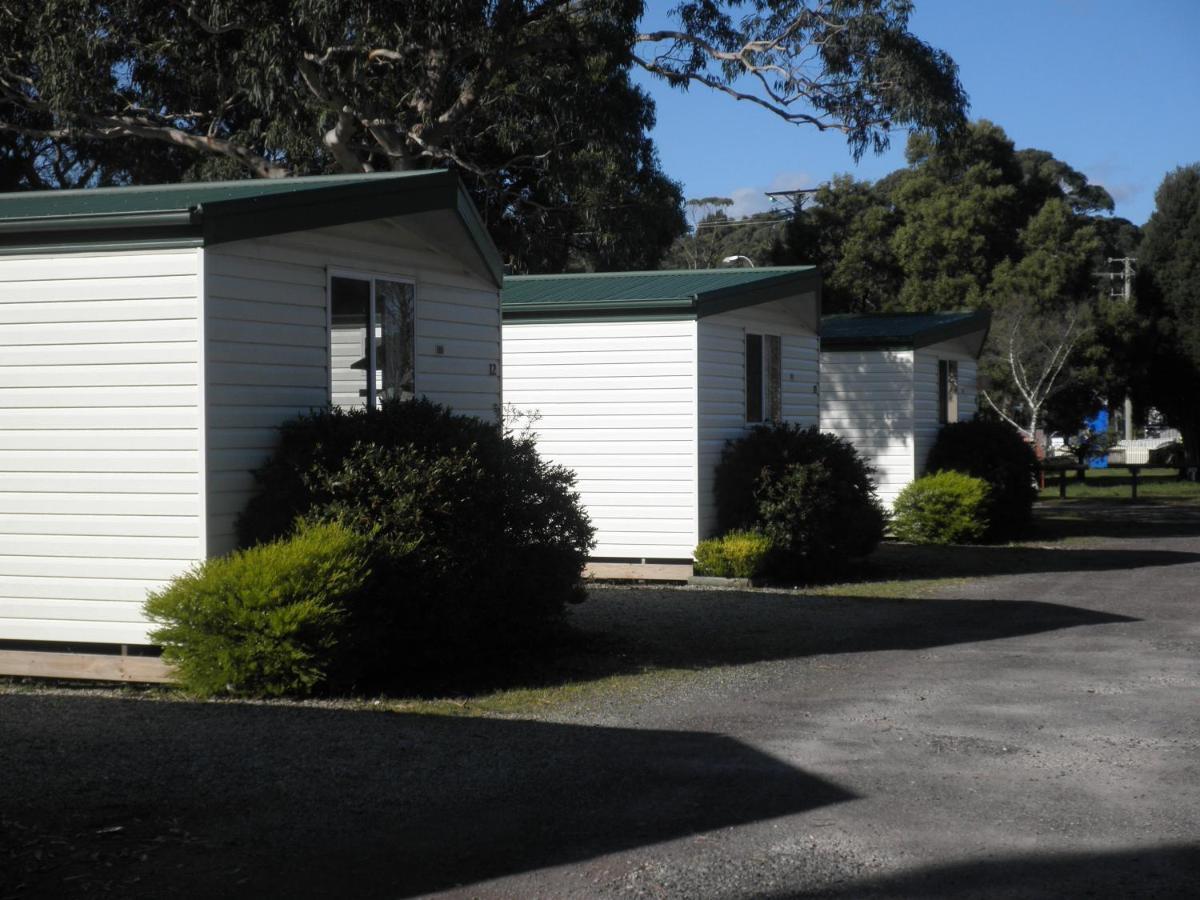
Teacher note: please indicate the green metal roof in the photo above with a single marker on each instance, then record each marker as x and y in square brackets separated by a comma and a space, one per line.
[682, 293]
[202, 213]
[899, 331]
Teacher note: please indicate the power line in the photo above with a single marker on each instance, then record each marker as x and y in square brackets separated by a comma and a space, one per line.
[1126, 294]
[1126, 276]
[741, 223]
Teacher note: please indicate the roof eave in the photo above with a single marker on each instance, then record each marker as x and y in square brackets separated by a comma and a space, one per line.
[678, 308]
[471, 221]
[788, 284]
[243, 218]
[106, 231]
[978, 323]
[326, 207]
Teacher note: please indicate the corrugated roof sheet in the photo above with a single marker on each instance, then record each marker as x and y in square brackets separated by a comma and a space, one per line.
[172, 197]
[899, 329]
[683, 285]
[213, 212]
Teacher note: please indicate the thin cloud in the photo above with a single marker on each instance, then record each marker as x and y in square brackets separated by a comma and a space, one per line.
[753, 198]
[1123, 193]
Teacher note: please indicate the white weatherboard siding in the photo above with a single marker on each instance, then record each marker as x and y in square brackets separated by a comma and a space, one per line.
[867, 398]
[616, 402]
[100, 440]
[925, 394]
[722, 385]
[268, 343]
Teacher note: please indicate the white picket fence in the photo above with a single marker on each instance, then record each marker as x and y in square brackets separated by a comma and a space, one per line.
[1137, 452]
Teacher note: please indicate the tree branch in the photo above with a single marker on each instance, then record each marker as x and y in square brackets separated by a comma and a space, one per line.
[1003, 415]
[204, 24]
[109, 128]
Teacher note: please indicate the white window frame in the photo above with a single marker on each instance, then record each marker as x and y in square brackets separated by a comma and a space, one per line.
[369, 276]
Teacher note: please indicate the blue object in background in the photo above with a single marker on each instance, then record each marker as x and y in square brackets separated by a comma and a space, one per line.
[1098, 424]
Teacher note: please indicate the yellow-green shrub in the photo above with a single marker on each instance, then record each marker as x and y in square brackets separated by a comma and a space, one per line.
[264, 621]
[739, 554]
[944, 508]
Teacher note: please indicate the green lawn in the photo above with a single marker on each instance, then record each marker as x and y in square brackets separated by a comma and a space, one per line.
[1160, 485]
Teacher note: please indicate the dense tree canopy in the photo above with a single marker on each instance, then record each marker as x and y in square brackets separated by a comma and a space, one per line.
[714, 237]
[1169, 299]
[975, 222]
[962, 221]
[530, 100]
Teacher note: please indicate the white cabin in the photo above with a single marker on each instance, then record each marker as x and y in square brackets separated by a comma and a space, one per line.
[635, 380]
[890, 381]
[152, 338]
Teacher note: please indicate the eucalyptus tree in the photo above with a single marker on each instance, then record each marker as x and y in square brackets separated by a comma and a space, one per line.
[530, 100]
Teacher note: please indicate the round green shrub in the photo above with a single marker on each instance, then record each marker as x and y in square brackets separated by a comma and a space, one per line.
[266, 621]
[944, 508]
[809, 492]
[478, 543]
[995, 452]
[739, 554]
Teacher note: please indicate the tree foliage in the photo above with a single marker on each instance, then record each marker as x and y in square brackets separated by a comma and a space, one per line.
[975, 222]
[1169, 300]
[530, 100]
[845, 65]
[715, 237]
[962, 221]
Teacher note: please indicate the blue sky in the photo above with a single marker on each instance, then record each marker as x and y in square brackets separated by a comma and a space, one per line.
[1112, 88]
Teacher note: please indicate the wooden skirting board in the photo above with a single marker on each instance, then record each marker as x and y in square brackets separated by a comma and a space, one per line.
[85, 666]
[631, 571]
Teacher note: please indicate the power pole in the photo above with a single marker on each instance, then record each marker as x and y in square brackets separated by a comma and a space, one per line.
[1126, 293]
[796, 197]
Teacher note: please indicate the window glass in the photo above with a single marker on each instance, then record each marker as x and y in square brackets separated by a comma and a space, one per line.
[349, 303]
[951, 391]
[754, 378]
[773, 346]
[947, 391]
[394, 357]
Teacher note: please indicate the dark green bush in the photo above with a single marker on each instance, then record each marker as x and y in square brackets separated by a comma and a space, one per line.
[817, 522]
[263, 621]
[944, 508]
[809, 492]
[739, 554]
[478, 542]
[995, 452]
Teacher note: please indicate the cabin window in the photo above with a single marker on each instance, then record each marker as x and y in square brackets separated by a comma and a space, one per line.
[764, 378]
[947, 391]
[371, 340]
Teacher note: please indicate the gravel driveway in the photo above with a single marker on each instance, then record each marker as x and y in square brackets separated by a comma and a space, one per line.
[1033, 734]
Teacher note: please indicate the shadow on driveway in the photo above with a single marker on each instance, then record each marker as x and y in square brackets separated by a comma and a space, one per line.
[903, 562]
[138, 798]
[1115, 519]
[699, 629]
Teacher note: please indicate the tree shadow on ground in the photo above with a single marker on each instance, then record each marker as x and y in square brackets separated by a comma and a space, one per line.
[903, 562]
[621, 632]
[1171, 871]
[701, 629]
[148, 799]
[1058, 519]
[1053, 522]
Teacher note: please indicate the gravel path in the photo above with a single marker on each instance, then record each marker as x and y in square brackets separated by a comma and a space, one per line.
[1021, 735]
